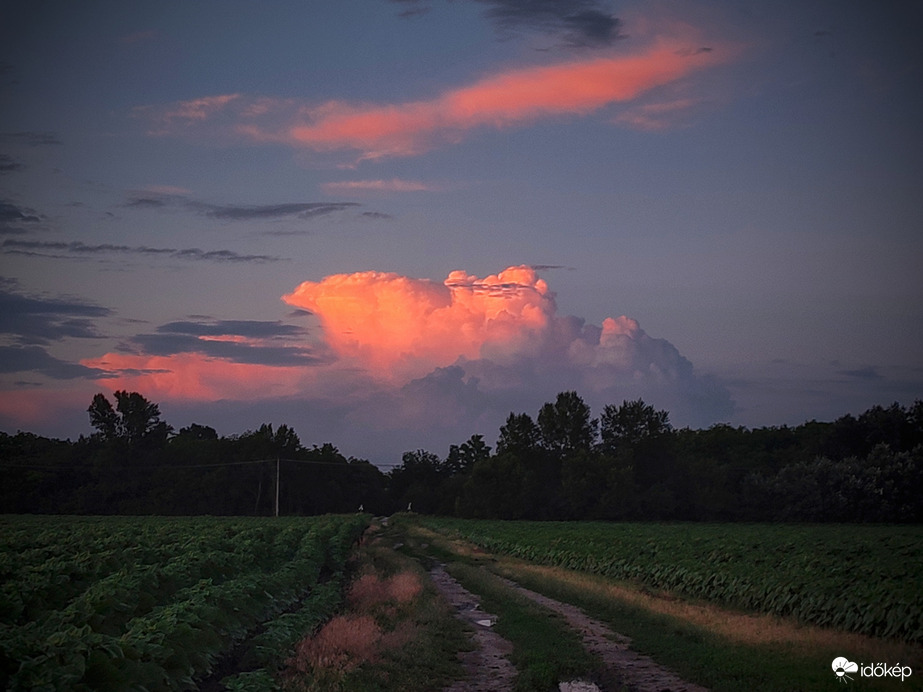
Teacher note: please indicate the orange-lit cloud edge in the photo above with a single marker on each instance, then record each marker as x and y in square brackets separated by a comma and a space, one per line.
[392, 185]
[507, 98]
[514, 97]
[389, 329]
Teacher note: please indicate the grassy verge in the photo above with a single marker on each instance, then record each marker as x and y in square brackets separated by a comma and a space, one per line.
[394, 632]
[717, 648]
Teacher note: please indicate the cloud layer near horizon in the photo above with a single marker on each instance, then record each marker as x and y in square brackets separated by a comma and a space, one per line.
[416, 360]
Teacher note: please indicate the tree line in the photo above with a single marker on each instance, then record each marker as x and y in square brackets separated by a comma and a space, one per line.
[630, 463]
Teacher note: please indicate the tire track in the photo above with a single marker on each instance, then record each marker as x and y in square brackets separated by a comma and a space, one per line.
[489, 669]
[634, 671]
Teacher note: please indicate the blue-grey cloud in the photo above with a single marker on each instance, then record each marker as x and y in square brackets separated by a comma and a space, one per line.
[16, 220]
[866, 373]
[578, 22]
[241, 212]
[147, 202]
[8, 164]
[240, 341]
[581, 22]
[248, 328]
[33, 139]
[33, 320]
[70, 250]
[301, 210]
[546, 267]
[36, 359]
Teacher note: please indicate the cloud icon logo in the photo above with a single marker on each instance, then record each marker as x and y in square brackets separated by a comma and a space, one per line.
[841, 666]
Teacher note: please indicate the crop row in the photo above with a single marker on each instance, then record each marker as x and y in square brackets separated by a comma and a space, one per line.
[866, 579]
[163, 627]
[37, 577]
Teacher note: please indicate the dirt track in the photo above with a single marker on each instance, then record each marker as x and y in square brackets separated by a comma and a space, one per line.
[490, 670]
[634, 671]
[487, 665]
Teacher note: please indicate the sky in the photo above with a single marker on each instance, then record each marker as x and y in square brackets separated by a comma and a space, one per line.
[390, 223]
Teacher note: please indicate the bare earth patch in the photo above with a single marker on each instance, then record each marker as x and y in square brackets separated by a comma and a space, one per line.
[487, 665]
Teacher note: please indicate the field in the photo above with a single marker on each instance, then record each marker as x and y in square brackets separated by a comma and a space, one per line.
[156, 603]
[866, 579]
[253, 604]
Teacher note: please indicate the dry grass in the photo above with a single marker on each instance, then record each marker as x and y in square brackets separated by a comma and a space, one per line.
[744, 628]
[404, 587]
[753, 629]
[343, 643]
[369, 591]
[353, 639]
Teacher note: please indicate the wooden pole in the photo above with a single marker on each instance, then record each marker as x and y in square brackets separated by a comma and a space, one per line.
[277, 486]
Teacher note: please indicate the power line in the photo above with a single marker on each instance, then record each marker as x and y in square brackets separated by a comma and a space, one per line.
[75, 467]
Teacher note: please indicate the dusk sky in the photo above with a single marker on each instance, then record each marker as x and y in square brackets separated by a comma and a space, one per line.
[390, 223]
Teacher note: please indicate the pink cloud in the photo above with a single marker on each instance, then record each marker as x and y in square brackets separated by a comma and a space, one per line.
[400, 326]
[509, 98]
[393, 185]
[196, 377]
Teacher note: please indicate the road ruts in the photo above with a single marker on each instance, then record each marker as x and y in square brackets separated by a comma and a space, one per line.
[488, 668]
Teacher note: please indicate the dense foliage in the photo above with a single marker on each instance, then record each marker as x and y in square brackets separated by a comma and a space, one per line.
[866, 579]
[154, 603]
[134, 464]
[630, 464]
[627, 464]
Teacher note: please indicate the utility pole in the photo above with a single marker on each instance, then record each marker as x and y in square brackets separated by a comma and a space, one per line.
[277, 486]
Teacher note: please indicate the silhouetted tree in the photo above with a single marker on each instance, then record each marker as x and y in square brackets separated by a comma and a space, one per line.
[417, 481]
[519, 435]
[133, 419]
[566, 425]
[462, 458]
[197, 432]
[631, 423]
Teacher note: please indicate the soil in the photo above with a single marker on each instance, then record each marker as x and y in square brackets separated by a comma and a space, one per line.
[490, 670]
[487, 665]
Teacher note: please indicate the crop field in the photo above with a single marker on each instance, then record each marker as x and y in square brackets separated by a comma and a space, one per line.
[156, 603]
[866, 579]
[99, 603]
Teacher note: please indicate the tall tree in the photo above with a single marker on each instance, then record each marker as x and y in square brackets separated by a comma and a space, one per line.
[519, 435]
[103, 417]
[463, 457]
[565, 425]
[133, 419]
[630, 424]
[138, 416]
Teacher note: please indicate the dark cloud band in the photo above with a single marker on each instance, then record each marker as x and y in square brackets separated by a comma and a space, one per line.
[76, 248]
[36, 320]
